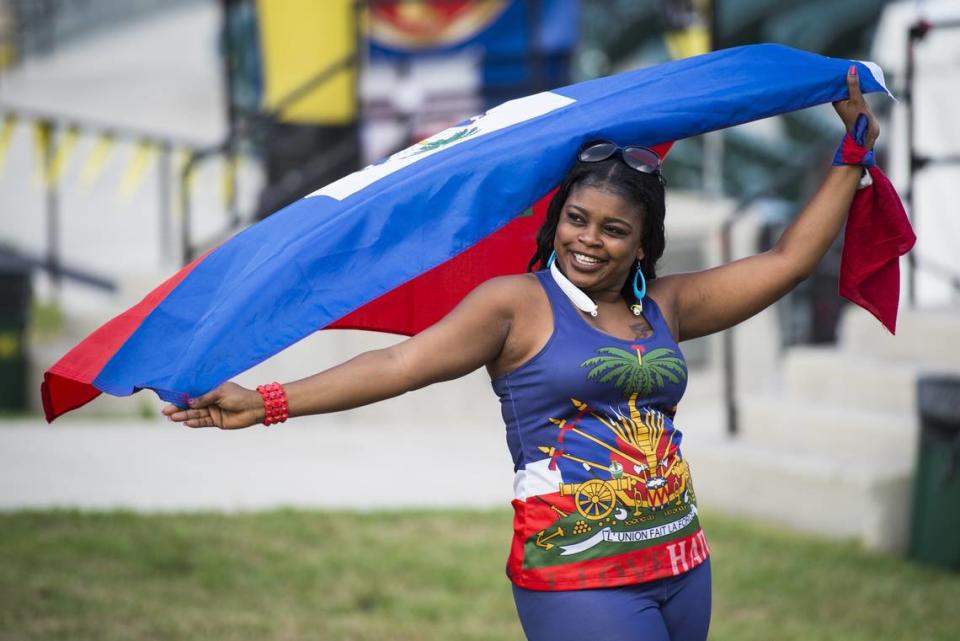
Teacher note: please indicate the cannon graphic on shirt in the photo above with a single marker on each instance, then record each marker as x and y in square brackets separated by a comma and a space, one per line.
[646, 470]
[644, 489]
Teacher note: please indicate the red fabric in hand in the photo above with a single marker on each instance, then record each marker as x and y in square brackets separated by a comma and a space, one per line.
[878, 233]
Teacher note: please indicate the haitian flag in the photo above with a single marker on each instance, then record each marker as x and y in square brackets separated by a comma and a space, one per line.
[395, 246]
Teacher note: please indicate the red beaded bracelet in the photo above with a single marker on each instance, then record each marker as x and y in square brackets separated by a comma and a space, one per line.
[274, 403]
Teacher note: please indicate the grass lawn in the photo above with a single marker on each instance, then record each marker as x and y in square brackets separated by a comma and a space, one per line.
[404, 577]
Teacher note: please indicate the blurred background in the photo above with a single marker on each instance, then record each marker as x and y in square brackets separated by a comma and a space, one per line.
[136, 135]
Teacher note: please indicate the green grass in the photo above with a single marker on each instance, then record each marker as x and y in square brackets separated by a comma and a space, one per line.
[415, 576]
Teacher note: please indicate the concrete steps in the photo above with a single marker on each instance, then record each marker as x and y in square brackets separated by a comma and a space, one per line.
[832, 451]
[826, 375]
[839, 432]
[818, 494]
[930, 337]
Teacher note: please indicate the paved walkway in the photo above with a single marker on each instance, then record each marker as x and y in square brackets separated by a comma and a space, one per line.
[312, 462]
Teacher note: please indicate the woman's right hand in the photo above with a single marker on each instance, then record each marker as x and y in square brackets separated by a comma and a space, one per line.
[228, 407]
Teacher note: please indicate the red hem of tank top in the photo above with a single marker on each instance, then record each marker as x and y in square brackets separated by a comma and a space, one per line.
[527, 582]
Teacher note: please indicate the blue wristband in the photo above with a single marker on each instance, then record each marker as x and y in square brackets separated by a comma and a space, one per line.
[851, 150]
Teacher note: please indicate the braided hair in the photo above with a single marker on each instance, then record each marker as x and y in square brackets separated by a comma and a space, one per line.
[643, 190]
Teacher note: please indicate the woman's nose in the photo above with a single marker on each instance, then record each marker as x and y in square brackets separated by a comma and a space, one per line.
[589, 236]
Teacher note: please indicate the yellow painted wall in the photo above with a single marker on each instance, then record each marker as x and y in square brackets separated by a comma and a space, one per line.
[298, 40]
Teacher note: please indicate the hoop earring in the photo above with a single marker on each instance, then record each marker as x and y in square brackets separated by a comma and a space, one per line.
[638, 291]
[553, 257]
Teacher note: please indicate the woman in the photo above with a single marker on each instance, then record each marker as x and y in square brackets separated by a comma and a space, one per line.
[586, 363]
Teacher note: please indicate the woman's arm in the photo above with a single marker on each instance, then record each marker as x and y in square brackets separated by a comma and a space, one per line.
[470, 336]
[716, 299]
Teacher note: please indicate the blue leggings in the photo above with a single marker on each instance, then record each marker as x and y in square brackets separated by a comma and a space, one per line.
[671, 609]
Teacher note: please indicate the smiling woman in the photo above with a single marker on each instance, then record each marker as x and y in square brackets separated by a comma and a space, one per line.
[612, 205]
[584, 357]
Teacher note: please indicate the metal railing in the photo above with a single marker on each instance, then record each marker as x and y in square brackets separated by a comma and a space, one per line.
[918, 32]
[786, 175]
[47, 126]
[247, 129]
[175, 186]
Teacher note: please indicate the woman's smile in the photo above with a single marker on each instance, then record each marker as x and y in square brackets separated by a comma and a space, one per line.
[585, 261]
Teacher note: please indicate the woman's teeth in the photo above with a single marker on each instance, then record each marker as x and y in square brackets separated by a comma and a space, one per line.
[586, 260]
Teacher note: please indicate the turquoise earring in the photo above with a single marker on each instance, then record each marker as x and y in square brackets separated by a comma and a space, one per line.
[639, 290]
[553, 257]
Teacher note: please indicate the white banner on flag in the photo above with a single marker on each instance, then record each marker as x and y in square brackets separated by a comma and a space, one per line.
[500, 117]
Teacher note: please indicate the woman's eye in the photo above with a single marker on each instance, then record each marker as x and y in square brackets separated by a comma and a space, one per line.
[576, 218]
[616, 231]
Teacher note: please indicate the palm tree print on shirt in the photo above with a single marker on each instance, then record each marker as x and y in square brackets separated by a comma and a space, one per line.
[635, 372]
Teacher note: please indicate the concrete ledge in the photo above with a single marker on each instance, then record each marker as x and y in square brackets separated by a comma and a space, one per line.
[815, 494]
[829, 376]
[930, 336]
[843, 433]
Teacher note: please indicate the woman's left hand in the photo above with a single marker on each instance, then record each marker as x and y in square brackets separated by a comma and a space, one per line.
[849, 109]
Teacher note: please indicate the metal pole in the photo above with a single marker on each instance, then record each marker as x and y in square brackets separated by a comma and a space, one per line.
[728, 343]
[230, 184]
[52, 202]
[713, 185]
[231, 168]
[361, 55]
[917, 32]
[186, 250]
[713, 142]
[228, 60]
[714, 23]
[163, 194]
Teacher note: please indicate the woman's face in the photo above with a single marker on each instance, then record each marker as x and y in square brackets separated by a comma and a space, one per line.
[598, 238]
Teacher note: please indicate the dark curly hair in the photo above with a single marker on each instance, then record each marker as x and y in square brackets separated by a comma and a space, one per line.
[613, 175]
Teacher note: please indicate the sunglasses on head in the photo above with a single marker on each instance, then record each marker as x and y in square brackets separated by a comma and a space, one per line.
[642, 159]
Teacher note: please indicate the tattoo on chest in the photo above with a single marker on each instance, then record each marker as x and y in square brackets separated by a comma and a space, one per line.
[641, 329]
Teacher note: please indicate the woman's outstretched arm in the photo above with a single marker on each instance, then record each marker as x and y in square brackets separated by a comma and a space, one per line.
[716, 299]
[470, 336]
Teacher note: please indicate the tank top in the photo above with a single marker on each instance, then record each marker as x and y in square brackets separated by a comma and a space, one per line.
[603, 496]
